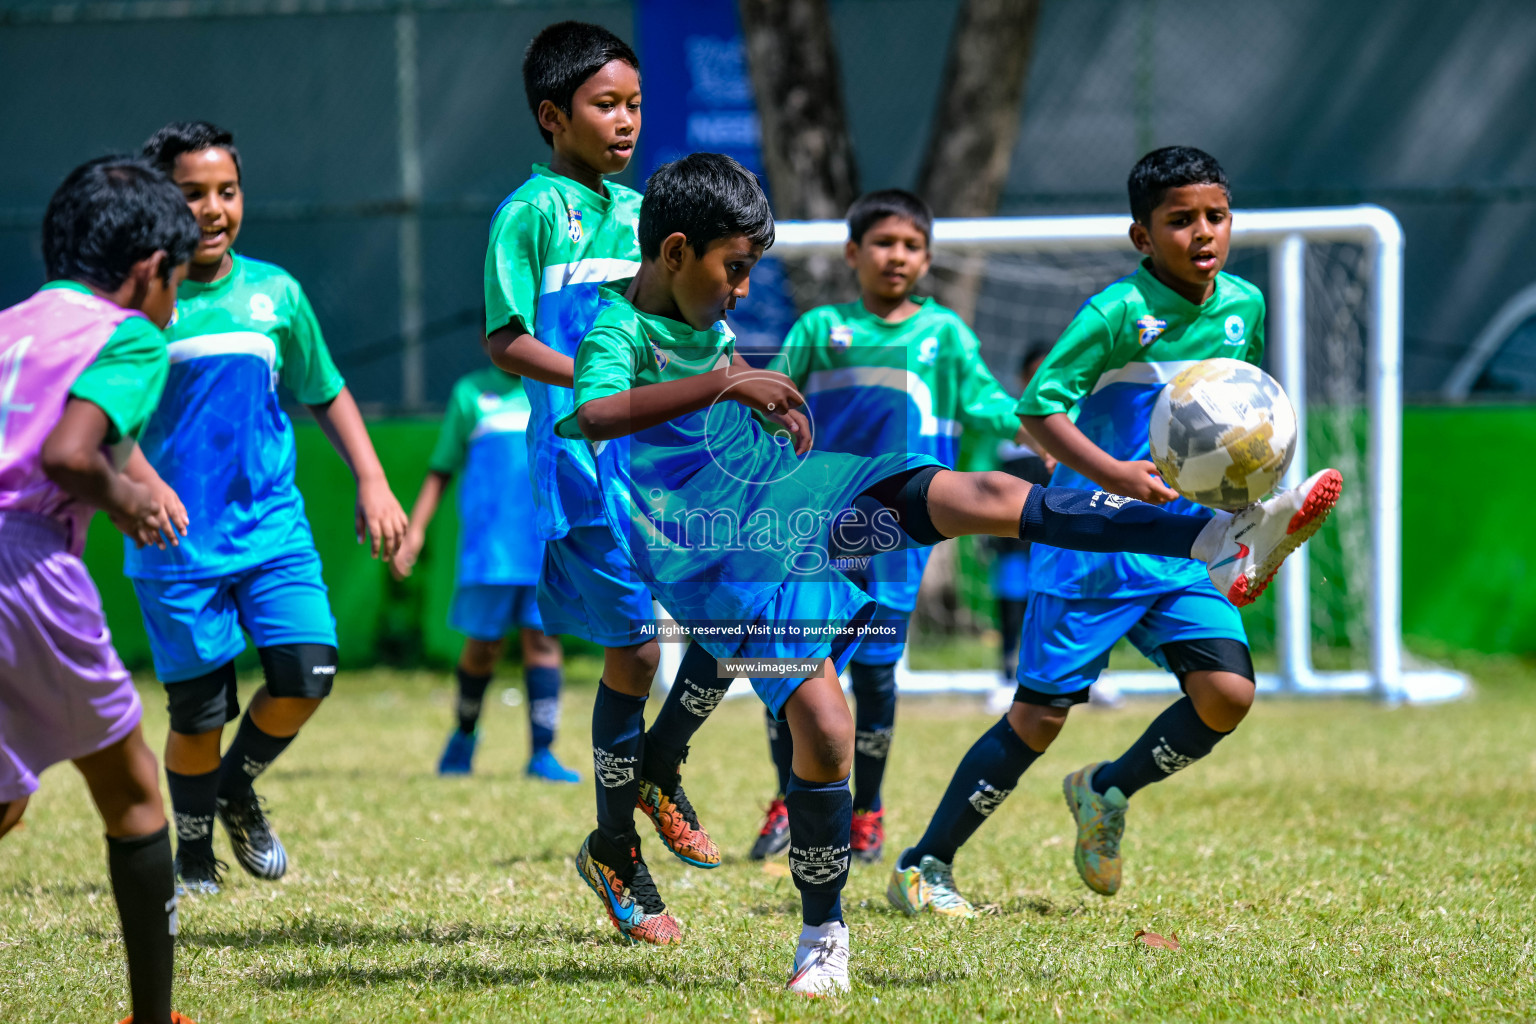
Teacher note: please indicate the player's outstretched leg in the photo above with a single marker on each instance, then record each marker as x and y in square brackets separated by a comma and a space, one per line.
[473, 673]
[543, 664]
[820, 808]
[1219, 694]
[695, 693]
[874, 693]
[773, 837]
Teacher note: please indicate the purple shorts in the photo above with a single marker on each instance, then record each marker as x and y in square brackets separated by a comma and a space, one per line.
[63, 691]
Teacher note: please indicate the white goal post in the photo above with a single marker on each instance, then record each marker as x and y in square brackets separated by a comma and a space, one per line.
[1286, 234]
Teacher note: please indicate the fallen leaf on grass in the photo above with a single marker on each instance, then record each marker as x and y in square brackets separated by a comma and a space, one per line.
[1156, 941]
[776, 870]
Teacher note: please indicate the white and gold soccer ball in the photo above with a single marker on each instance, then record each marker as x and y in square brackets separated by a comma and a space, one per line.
[1223, 433]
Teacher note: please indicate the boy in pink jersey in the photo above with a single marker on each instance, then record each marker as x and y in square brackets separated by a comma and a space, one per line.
[82, 364]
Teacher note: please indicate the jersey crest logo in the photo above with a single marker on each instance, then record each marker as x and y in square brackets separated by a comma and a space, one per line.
[1235, 329]
[1150, 327]
[661, 357]
[573, 224]
[840, 336]
[488, 401]
[262, 308]
[928, 351]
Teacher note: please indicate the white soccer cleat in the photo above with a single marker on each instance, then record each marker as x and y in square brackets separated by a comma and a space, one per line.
[1243, 550]
[821, 960]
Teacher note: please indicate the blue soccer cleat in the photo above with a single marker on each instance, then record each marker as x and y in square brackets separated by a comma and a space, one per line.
[544, 766]
[459, 755]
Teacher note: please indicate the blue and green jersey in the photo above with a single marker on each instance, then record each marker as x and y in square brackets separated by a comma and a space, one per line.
[1109, 365]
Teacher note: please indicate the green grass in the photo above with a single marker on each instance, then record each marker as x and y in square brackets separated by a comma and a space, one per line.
[1335, 861]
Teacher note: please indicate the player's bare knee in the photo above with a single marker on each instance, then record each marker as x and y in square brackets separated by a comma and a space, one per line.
[829, 744]
[1221, 699]
[479, 657]
[1037, 725]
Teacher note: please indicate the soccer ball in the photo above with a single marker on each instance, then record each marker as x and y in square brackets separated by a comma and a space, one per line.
[1223, 433]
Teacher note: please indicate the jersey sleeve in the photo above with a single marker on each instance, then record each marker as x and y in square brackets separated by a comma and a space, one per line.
[307, 367]
[514, 266]
[605, 365]
[794, 359]
[453, 436]
[1256, 338]
[984, 405]
[126, 377]
[1074, 364]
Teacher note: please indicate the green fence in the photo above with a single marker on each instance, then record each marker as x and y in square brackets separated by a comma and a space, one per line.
[1467, 556]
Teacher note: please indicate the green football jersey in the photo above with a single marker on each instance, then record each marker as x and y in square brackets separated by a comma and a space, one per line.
[554, 243]
[1109, 365]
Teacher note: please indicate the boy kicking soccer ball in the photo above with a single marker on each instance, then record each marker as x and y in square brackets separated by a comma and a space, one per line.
[1110, 364]
[738, 529]
[888, 372]
[84, 363]
[483, 442]
[221, 444]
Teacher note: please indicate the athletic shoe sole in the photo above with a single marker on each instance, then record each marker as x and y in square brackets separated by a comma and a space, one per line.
[1314, 512]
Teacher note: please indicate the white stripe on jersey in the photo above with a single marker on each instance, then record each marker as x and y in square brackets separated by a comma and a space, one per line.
[1143, 373]
[596, 270]
[505, 422]
[905, 381]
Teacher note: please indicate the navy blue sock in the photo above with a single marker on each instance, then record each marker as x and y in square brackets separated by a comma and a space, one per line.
[874, 692]
[618, 743]
[987, 774]
[695, 693]
[820, 837]
[1098, 521]
[194, 799]
[781, 747]
[144, 885]
[1176, 739]
[543, 684]
[247, 757]
[471, 698]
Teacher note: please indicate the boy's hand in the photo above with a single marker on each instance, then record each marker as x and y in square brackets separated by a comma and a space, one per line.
[140, 515]
[765, 391]
[798, 425]
[380, 518]
[175, 511]
[1137, 480]
[404, 561]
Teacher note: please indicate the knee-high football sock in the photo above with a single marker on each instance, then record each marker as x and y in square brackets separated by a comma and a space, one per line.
[618, 743]
[695, 693]
[471, 698]
[194, 798]
[820, 838]
[987, 774]
[1176, 739]
[781, 747]
[247, 757]
[1099, 521]
[874, 691]
[543, 704]
[144, 886]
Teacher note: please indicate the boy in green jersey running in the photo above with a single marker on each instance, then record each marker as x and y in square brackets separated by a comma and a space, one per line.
[1109, 367]
[740, 530]
[888, 372]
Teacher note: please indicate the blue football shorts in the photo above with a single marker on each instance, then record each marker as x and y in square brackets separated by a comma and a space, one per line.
[489, 611]
[588, 589]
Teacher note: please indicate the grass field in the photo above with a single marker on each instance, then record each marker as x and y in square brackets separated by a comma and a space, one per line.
[1334, 861]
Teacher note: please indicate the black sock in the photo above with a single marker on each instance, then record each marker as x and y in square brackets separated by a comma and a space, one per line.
[247, 757]
[874, 692]
[820, 836]
[471, 698]
[987, 774]
[1098, 521]
[194, 798]
[144, 885]
[781, 747]
[695, 693]
[1176, 739]
[618, 744]
[543, 704]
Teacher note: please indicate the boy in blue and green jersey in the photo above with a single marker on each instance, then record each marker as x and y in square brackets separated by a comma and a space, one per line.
[888, 372]
[740, 531]
[221, 445]
[1108, 367]
[483, 444]
[554, 242]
